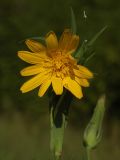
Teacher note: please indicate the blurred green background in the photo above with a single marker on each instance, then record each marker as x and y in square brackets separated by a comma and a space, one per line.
[24, 119]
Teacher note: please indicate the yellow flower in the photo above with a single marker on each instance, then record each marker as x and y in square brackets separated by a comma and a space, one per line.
[54, 65]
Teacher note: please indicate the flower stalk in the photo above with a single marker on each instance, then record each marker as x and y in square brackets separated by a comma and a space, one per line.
[59, 109]
[87, 154]
[56, 138]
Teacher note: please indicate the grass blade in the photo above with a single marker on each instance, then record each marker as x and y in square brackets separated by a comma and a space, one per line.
[73, 21]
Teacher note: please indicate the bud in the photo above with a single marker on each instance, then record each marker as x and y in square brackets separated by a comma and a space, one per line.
[93, 131]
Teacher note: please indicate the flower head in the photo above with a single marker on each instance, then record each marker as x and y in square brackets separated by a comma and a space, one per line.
[54, 65]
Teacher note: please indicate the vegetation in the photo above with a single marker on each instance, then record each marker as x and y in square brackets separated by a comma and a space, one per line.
[23, 117]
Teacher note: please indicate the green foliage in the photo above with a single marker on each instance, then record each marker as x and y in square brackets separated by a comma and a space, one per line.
[56, 137]
[97, 35]
[73, 22]
[87, 47]
[20, 138]
[93, 131]
[24, 19]
[24, 139]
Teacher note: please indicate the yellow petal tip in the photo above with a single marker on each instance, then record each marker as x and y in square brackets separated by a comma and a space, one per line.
[80, 97]
[19, 53]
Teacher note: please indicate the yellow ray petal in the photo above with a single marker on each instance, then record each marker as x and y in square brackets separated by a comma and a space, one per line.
[32, 58]
[34, 82]
[57, 85]
[51, 41]
[73, 44]
[44, 87]
[83, 72]
[32, 70]
[34, 45]
[82, 82]
[73, 87]
[68, 42]
[64, 39]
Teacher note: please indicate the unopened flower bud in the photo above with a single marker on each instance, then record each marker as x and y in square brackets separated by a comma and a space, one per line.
[93, 131]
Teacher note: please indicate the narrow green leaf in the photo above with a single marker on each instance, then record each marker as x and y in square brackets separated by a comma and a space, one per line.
[81, 50]
[96, 36]
[89, 57]
[86, 46]
[73, 21]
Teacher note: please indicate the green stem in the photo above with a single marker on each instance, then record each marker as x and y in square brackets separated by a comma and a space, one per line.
[52, 156]
[56, 138]
[57, 158]
[87, 154]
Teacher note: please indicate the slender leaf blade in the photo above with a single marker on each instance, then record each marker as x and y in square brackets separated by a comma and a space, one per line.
[91, 42]
[89, 57]
[73, 22]
[86, 46]
[81, 50]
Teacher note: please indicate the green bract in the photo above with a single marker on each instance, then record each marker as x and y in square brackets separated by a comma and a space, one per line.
[93, 131]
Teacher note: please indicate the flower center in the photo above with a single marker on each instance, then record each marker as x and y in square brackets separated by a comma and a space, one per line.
[63, 64]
